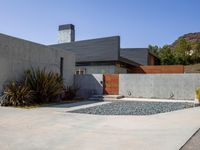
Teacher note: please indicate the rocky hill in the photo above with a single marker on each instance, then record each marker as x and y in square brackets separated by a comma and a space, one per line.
[190, 37]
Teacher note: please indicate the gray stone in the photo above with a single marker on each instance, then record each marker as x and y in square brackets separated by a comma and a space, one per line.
[134, 108]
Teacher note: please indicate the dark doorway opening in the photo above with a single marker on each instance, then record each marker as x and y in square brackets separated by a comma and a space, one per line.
[61, 66]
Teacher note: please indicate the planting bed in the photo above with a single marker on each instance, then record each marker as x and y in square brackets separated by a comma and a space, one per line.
[134, 108]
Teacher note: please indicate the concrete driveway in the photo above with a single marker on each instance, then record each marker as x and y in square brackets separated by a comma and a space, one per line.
[54, 128]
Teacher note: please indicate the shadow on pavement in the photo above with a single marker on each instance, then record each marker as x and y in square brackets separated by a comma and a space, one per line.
[69, 104]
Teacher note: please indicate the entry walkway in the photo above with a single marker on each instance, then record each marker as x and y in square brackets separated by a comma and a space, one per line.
[52, 128]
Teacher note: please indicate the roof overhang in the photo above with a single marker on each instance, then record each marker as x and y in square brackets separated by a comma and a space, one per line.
[130, 62]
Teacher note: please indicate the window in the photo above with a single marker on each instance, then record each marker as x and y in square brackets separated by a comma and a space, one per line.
[80, 71]
[77, 72]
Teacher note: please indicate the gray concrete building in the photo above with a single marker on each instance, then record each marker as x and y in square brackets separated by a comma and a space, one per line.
[102, 55]
[17, 55]
[98, 55]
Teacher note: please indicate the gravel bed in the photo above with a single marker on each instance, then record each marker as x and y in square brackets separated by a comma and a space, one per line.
[134, 108]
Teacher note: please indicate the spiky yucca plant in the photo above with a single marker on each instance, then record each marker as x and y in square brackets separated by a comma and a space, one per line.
[17, 94]
[48, 86]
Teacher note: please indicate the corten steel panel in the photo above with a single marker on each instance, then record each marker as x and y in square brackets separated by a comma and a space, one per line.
[111, 84]
[164, 69]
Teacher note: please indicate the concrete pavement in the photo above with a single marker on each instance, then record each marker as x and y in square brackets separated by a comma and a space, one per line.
[54, 128]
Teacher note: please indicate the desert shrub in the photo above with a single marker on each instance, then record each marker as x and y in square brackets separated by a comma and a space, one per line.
[17, 94]
[70, 93]
[198, 93]
[37, 86]
[48, 86]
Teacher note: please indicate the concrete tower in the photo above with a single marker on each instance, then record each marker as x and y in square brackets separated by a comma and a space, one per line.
[66, 33]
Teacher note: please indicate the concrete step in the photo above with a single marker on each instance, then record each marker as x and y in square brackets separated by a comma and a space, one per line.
[106, 97]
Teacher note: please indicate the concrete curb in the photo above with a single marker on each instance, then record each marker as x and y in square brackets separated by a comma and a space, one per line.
[157, 100]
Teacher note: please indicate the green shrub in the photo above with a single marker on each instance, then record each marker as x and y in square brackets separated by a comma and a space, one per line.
[48, 86]
[37, 86]
[17, 94]
[198, 93]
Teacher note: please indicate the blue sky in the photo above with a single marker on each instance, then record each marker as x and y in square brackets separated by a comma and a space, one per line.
[138, 22]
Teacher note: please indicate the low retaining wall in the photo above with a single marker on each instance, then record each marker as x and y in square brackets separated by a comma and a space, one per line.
[161, 86]
[164, 86]
[90, 84]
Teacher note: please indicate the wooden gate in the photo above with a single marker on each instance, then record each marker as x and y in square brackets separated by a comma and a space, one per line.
[111, 84]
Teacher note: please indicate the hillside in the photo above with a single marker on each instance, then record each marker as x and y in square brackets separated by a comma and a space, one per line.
[190, 37]
[185, 52]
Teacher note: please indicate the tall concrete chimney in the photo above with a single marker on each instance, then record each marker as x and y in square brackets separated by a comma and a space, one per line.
[66, 33]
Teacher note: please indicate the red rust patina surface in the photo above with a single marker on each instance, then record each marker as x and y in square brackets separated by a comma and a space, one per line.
[111, 84]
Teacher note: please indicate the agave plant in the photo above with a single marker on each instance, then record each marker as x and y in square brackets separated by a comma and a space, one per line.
[48, 86]
[17, 94]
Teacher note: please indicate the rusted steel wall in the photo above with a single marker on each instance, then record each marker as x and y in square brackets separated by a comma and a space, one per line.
[111, 84]
[164, 69]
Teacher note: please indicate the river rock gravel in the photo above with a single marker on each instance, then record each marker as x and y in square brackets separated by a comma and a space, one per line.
[134, 108]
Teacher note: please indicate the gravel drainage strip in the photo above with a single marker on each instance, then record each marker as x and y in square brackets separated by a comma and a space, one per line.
[134, 108]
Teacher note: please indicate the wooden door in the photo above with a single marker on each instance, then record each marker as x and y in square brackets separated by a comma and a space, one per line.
[111, 84]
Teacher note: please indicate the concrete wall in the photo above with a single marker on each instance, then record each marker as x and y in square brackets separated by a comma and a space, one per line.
[161, 86]
[17, 55]
[89, 85]
[170, 86]
[67, 35]
[111, 69]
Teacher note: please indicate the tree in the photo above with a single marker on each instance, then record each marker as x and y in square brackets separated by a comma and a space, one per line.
[182, 52]
[154, 49]
[166, 55]
[195, 57]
